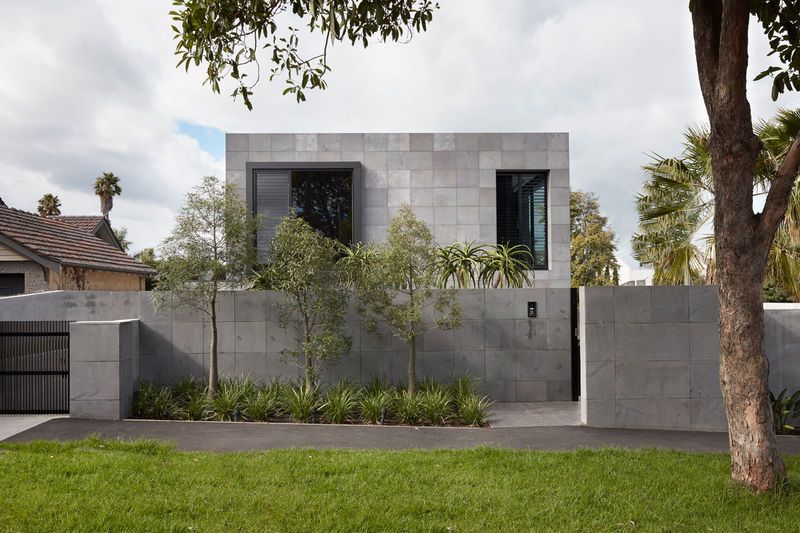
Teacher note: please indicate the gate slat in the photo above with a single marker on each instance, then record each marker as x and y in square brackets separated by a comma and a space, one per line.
[34, 367]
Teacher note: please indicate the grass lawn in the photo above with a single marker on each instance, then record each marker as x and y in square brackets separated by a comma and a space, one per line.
[113, 486]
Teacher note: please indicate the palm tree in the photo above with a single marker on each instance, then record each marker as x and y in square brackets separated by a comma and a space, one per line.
[49, 205]
[676, 209]
[107, 187]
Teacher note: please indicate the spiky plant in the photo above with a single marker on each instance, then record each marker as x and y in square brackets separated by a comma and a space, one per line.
[459, 264]
[341, 403]
[507, 266]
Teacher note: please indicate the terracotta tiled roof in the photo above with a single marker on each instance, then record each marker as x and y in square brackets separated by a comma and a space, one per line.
[86, 223]
[65, 243]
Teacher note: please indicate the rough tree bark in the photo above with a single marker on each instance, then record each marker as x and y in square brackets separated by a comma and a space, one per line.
[743, 238]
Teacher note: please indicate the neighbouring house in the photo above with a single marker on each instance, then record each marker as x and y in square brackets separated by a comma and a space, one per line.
[485, 187]
[68, 253]
[634, 276]
[96, 225]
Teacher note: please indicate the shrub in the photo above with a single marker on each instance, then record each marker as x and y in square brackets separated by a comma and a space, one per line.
[429, 385]
[280, 389]
[230, 398]
[301, 402]
[374, 402]
[473, 410]
[190, 399]
[378, 385]
[784, 410]
[155, 402]
[341, 402]
[195, 407]
[262, 405]
[435, 405]
[188, 387]
[409, 408]
[461, 388]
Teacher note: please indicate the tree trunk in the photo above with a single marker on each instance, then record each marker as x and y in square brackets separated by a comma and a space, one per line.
[742, 239]
[755, 461]
[213, 375]
[309, 363]
[412, 366]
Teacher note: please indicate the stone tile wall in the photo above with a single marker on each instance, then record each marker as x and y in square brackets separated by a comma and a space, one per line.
[513, 357]
[650, 358]
[447, 178]
[103, 368]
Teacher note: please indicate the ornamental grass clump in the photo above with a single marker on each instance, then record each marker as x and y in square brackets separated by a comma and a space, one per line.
[190, 399]
[155, 402]
[302, 403]
[229, 400]
[408, 408]
[435, 406]
[473, 410]
[262, 405]
[341, 403]
[375, 405]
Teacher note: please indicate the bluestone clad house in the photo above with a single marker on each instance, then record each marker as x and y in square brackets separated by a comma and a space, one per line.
[487, 187]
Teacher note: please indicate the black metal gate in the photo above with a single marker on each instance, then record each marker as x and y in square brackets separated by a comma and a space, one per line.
[576, 343]
[34, 367]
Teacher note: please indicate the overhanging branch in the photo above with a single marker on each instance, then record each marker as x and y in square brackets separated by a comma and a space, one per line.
[779, 192]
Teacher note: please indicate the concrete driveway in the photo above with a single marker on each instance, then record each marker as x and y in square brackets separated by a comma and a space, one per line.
[12, 424]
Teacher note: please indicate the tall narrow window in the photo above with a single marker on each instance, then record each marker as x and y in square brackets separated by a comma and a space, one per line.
[522, 213]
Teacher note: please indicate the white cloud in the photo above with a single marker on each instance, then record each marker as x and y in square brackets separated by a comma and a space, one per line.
[89, 87]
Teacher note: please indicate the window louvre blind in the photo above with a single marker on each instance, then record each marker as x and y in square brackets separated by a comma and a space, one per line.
[271, 192]
[522, 213]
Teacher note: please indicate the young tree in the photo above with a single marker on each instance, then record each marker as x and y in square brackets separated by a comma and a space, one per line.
[302, 264]
[210, 248]
[49, 205]
[395, 285]
[742, 237]
[592, 245]
[107, 187]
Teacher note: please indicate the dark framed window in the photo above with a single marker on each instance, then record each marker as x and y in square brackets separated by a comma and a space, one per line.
[522, 213]
[11, 284]
[326, 195]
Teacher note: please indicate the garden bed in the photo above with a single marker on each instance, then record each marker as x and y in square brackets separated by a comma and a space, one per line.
[434, 404]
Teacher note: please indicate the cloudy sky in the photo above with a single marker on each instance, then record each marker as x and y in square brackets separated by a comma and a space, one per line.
[90, 86]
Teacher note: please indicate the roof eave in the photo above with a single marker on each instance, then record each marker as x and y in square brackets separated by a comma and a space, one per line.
[111, 268]
[46, 262]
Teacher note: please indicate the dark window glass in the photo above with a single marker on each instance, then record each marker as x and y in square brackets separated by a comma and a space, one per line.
[11, 284]
[522, 213]
[324, 199]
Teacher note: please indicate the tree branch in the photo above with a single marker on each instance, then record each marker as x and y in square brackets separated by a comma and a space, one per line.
[707, 22]
[779, 192]
[731, 83]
